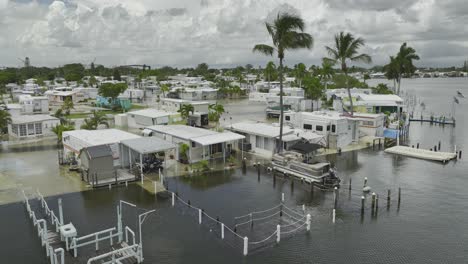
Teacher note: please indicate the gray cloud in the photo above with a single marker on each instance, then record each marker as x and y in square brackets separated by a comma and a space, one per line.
[221, 32]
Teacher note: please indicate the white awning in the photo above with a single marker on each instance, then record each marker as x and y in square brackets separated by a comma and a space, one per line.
[217, 138]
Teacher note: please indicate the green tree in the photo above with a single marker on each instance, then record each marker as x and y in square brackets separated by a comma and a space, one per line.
[366, 77]
[116, 75]
[287, 33]
[97, 118]
[270, 72]
[185, 111]
[67, 105]
[165, 89]
[59, 129]
[60, 115]
[5, 119]
[300, 72]
[347, 49]
[112, 90]
[313, 88]
[326, 72]
[73, 72]
[216, 110]
[381, 88]
[401, 64]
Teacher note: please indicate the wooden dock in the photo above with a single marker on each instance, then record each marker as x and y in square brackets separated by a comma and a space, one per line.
[438, 121]
[422, 153]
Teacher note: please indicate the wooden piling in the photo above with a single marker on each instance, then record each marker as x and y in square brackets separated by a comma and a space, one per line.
[459, 154]
[388, 198]
[399, 196]
[335, 197]
[439, 146]
[373, 202]
[350, 184]
[363, 199]
[417, 145]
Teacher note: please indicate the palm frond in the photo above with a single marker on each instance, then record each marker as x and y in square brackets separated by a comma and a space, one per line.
[362, 58]
[264, 49]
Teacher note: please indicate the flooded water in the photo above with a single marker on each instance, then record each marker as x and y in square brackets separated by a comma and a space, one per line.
[429, 227]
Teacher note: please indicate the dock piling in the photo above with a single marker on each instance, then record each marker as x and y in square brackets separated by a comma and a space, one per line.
[388, 198]
[60, 210]
[308, 222]
[278, 233]
[363, 199]
[222, 230]
[173, 199]
[335, 197]
[399, 196]
[459, 154]
[439, 146]
[282, 197]
[350, 183]
[417, 145]
[199, 216]
[373, 202]
[334, 215]
[246, 246]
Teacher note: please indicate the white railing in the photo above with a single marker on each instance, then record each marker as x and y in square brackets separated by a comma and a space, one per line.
[54, 219]
[93, 238]
[42, 231]
[119, 254]
[128, 230]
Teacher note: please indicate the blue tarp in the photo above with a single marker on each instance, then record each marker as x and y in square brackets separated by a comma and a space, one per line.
[390, 133]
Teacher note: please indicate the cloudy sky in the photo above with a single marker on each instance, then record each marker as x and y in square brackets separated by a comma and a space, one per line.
[221, 32]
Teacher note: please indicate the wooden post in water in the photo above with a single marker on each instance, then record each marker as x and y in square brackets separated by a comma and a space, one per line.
[399, 196]
[335, 198]
[373, 202]
[439, 146]
[278, 233]
[363, 199]
[388, 198]
[376, 203]
[350, 184]
[417, 145]
[459, 154]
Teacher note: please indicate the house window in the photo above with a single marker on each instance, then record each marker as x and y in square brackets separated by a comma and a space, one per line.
[349, 127]
[307, 126]
[288, 118]
[30, 129]
[333, 128]
[38, 128]
[328, 128]
[367, 123]
[258, 142]
[319, 128]
[193, 144]
[22, 129]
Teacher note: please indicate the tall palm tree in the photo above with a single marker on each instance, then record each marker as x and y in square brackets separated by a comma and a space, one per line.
[216, 110]
[270, 71]
[67, 106]
[345, 50]
[287, 33]
[59, 129]
[391, 71]
[404, 63]
[300, 72]
[326, 72]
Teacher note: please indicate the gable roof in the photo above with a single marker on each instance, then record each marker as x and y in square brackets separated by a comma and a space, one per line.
[97, 151]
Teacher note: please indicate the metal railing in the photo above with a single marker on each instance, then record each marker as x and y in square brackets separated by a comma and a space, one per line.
[118, 255]
[93, 238]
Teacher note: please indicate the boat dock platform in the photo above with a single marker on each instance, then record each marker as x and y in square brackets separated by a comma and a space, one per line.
[422, 153]
[61, 241]
[433, 120]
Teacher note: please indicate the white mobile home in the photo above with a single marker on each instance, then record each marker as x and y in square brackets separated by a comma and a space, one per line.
[202, 144]
[173, 105]
[260, 138]
[74, 141]
[28, 126]
[370, 124]
[34, 104]
[146, 117]
[339, 130]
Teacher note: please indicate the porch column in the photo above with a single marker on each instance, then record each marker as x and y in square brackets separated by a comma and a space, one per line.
[224, 152]
[190, 151]
[242, 149]
[141, 164]
[130, 157]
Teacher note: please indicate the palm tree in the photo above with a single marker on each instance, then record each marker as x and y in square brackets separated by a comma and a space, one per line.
[97, 118]
[401, 64]
[366, 77]
[59, 114]
[164, 89]
[185, 110]
[5, 119]
[270, 71]
[59, 129]
[67, 106]
[216, 110]
[300, 72]
[346, 49]
[326, 72]
[287, 33]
